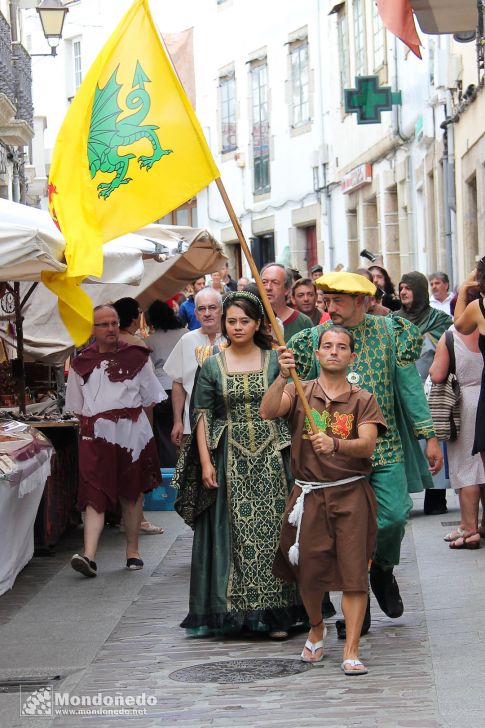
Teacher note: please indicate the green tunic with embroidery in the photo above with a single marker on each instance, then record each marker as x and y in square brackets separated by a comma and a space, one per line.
[386, 349]
[237, 526]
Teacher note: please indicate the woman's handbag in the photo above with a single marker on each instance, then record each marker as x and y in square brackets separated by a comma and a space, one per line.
[444, 399]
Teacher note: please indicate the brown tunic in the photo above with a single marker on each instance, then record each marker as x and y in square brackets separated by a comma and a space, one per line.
[338, 530]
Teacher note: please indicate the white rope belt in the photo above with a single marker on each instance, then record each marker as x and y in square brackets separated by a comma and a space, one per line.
[296, 516]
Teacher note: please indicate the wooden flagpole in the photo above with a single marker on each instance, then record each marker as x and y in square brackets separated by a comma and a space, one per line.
[264, 297]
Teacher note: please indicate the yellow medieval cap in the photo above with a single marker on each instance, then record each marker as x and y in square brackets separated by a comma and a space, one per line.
[343, 282]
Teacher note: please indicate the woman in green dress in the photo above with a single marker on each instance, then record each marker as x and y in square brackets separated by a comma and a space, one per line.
[234, 481]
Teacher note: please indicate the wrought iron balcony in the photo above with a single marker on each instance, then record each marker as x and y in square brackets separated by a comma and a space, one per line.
[16, 109]
[7, 81]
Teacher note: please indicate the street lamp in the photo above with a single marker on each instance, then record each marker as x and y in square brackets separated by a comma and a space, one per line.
[52, 14]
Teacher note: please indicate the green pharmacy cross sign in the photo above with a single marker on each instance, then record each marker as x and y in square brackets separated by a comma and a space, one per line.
[368, 99]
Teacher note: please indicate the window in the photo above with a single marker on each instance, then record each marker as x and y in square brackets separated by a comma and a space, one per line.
[343, 51]
[227, 100]
[379, 38]
[311, 256]
[185, 215]
[300, 83]
[359, 37]
[76, 63]
[260, 127]
[262, 249]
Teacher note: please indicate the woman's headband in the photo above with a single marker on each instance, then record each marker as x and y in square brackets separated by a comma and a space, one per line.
[232, 298]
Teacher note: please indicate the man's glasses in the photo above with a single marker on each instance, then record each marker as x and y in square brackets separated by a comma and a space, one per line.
[108, 324]
[212, 308]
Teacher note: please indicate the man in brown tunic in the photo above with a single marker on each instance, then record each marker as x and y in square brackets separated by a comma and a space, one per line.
[329, 525]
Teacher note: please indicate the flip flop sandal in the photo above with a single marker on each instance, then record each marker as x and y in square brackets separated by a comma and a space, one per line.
[313, 647]
[463, 542]
[362, 670]
[149, 529]
[453, 535]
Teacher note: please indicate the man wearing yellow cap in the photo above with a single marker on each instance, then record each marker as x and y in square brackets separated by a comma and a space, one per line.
[386, 352]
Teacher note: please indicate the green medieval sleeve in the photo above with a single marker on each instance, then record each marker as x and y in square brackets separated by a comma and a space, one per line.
[413, 417]
[408, 349]
[279, 426]
[303, 344]
[193, 499]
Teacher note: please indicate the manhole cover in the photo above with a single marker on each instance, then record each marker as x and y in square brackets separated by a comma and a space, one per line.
[240, 671]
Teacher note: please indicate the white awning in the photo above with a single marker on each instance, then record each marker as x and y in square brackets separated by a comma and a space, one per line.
[155, 262]
[446, 16]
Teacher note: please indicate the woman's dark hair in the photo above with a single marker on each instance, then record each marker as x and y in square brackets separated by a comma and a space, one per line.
[481, 274]
[472, 294]
[389, 299]
[162, 317]
[253, 310]
[388, 284]
[251, 287]
[128, 311]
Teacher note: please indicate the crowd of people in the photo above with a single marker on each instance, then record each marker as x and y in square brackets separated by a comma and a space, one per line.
[291, 493]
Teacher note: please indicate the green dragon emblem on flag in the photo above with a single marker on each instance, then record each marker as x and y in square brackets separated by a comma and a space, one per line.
[322, 421]
[107, 133]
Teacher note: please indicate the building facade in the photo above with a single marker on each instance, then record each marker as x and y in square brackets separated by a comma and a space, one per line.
[16, 110]
[306, 181]
[420, 204]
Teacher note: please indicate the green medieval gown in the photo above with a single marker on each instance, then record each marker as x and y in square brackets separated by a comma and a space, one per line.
[237, 526]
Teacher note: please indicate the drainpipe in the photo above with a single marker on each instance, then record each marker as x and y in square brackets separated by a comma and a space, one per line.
[328, 212]
[325, 165]
[449, 191]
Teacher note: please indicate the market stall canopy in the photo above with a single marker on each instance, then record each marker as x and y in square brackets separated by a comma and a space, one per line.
[446, 16]
[31, 243]
[168, 257]
[192, 252]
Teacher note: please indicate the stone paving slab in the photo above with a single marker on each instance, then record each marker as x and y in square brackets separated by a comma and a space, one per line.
[147, 645]
[427, 668]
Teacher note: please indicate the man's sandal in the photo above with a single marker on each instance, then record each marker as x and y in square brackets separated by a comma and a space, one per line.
[354, 667]
[278, 635]
[453, 535]
[146, 528]
[466, 542]
[314, 646]
[149, 529]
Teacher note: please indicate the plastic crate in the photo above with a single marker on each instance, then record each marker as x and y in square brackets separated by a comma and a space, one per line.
[163, 497]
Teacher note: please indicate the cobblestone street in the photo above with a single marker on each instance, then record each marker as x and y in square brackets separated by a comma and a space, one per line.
[425, 668]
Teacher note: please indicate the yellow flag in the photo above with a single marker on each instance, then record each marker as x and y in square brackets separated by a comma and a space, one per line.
[129, 151]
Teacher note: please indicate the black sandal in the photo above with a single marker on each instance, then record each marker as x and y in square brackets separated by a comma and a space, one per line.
[134, 564]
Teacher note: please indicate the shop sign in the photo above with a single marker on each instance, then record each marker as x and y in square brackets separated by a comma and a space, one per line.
[358, 177]
[368, 99]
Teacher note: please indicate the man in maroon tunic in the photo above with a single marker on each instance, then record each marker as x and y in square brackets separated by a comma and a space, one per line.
[109, 384]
